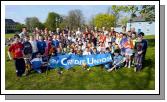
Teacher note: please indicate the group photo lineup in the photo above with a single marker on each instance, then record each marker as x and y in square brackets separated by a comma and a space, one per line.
[80, 47]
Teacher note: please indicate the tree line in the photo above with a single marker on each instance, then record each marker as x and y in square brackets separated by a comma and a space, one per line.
[75, 18]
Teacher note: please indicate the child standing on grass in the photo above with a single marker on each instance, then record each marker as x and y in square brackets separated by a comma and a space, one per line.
[128, 51]
[16, 49]
[140, 51]
[122, 42]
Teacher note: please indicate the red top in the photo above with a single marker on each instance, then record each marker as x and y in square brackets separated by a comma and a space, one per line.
[102, 38]
[16, 50]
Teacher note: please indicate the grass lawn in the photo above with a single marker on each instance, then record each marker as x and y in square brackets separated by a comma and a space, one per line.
[96, 79]
[9, 35]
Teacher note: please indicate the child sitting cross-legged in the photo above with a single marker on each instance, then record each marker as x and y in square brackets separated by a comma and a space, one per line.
[118, 60]
[37, 63]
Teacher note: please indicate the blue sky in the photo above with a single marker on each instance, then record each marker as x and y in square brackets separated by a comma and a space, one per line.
[19, 12]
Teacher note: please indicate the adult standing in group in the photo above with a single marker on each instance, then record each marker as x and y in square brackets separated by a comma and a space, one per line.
[23, 33]
[113, 32]
[123, 29]
[78, 33]
[57, 31]
[104, 30]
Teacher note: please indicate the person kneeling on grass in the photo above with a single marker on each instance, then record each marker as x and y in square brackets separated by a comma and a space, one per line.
[37, 63]
[118, 60]
[109, 64]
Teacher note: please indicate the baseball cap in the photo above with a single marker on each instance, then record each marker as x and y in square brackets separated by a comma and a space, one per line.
[140, 34]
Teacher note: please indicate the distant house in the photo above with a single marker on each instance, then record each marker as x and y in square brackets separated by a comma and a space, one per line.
[10, 26]
[140, 25]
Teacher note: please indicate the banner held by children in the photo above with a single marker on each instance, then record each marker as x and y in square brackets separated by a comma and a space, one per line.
[67, 61]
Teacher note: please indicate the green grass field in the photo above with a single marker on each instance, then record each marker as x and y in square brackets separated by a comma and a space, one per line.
[96, 79]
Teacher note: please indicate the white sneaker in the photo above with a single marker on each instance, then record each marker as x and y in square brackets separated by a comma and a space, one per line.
[125, 65]
[135, 69]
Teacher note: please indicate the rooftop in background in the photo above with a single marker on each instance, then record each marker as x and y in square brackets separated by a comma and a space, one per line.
[9, 21]
[138, 19]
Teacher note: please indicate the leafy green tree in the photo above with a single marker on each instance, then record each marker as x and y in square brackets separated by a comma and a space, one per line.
[148, 12]
[19, 26]
[41, 26]
[115, 10]
[132, 10]
[104, 20]
[53, 20]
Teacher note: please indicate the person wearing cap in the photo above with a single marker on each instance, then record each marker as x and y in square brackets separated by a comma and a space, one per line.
[140, 51]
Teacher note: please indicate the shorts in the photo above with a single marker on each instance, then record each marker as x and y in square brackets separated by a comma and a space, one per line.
[129, 52]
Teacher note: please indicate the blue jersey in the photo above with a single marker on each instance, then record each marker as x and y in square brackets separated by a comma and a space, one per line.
[118, 59]
[55, 43]
[36, 63]
[41, 45]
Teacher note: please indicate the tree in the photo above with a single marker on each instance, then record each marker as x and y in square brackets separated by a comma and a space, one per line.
[132, 10]
[115, 10]
[19, 26]
[91, 22]
[104, 20]
[41, 26]
[53, 20]
[123, 21]
[75, 19]
[148, 12]
[31, 23]
[64, 22]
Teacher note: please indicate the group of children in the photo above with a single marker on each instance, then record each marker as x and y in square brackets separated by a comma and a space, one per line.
[33, 51]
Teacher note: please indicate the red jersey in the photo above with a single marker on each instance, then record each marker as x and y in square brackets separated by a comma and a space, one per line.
[16, 50]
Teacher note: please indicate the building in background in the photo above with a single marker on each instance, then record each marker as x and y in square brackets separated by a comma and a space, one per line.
[10, 26]
[140, 25]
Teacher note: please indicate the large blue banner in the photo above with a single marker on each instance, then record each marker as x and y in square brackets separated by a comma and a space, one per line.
[68, 61]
